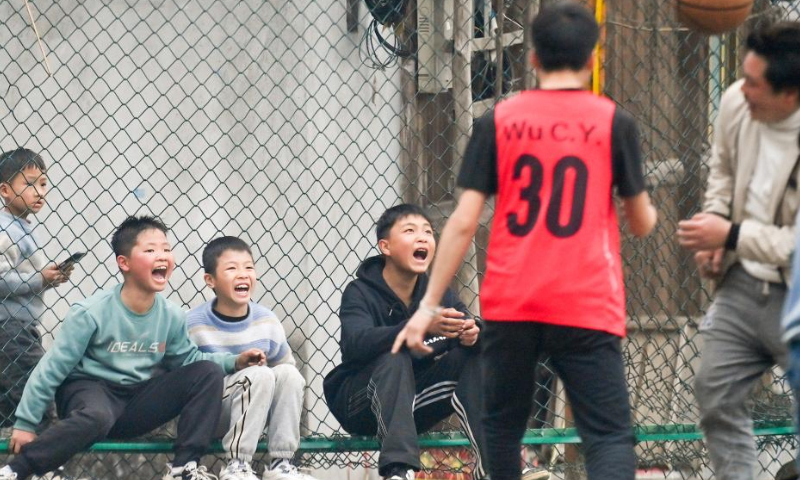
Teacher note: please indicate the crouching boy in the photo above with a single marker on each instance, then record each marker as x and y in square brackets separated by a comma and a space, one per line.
[260, 395]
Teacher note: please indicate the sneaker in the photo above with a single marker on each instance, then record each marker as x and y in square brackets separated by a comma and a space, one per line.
[285, 471]
[58, 474]
[197, 473]
[535, 473]
[237, 470]
[190, 472]
[400, 473]
[7, 474]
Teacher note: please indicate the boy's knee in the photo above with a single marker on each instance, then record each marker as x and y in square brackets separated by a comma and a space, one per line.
[399, 361]
[393, 369]
[290, 376]
[206, 371]
[260, 375]
[96, 422]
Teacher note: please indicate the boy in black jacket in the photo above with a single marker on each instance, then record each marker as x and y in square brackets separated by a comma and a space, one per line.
[396, 396]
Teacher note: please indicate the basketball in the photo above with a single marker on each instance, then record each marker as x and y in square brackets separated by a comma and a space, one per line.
[713, 17]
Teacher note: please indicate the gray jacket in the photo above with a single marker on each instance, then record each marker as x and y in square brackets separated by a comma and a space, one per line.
[21, 263]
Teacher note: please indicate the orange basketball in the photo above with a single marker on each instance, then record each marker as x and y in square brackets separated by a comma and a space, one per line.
[713, 17]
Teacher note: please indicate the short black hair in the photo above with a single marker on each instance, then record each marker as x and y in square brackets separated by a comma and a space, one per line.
[14, 162]
[564, 35]
[125, 236]
[217, 247]
[779, 44]
[393, 214]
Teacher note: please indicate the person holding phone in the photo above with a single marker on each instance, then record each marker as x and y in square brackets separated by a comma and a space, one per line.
[71, 261]
[24, 274]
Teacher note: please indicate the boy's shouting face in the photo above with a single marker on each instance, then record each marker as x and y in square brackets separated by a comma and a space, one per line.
[410, 245]
[233, 282]
[150, 263]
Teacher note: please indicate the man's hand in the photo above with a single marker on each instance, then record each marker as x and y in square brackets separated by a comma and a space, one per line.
[19, 438]
[413, 334]
[250, 358]
[704, 231]
[709, 262]
[54, 276]
[469, 335]
[449, 323]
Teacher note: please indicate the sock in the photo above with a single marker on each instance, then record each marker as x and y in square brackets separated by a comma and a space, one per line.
[178, 470]
[277, 462]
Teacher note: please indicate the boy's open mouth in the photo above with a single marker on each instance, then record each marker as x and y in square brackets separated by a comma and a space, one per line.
[242, 288]
[160, 273]
[420, 254]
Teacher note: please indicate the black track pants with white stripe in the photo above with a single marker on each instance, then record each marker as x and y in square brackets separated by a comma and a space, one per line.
[395, 399]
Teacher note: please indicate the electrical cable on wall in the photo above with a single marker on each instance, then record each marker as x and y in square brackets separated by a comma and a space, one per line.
[376, 50]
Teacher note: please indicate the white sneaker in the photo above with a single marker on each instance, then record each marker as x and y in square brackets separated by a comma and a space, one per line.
[237, 470]
[190, 472]
[7, 474]
[285, 471]
[398, 474]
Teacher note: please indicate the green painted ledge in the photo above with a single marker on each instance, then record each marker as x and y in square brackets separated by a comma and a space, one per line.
[644, 433]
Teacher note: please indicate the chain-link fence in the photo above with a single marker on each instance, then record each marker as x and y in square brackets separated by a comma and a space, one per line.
[295, 124]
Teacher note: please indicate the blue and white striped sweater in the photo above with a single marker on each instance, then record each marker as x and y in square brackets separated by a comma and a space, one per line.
[261, 329]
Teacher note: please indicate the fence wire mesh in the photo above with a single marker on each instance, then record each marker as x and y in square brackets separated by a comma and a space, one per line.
[295, 124]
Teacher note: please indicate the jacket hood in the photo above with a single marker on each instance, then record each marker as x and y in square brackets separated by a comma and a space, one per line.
[371, 272]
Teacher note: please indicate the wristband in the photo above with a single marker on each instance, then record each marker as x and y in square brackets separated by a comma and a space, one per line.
[431, 312]
[733, 237]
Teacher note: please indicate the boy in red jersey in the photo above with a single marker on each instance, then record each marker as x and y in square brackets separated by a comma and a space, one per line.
[553, 284]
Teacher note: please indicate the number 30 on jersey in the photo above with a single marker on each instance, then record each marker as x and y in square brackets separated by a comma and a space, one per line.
[531, 194]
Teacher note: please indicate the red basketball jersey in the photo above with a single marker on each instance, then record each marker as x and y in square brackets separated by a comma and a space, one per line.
[553, 254]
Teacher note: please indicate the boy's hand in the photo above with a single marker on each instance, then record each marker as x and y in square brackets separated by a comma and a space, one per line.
[249, 358]
[19, 438]
[413, 334]
[449, 323]
[469, 334]
[54, 276]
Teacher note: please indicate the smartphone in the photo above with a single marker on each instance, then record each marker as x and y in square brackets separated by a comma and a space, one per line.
[74, 258]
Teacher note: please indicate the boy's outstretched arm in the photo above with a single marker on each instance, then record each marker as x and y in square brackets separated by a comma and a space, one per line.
[455, 239]
[640, 214]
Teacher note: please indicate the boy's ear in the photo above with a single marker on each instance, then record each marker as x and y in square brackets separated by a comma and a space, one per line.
[122, 263]
[209, 280]
[590, 62]
[383, 246]
[535, 63]
[5, 190]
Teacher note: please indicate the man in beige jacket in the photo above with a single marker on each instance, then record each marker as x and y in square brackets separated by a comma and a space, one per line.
[744, 239]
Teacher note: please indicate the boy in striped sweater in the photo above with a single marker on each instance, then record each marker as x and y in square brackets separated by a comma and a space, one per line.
[254, 397]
